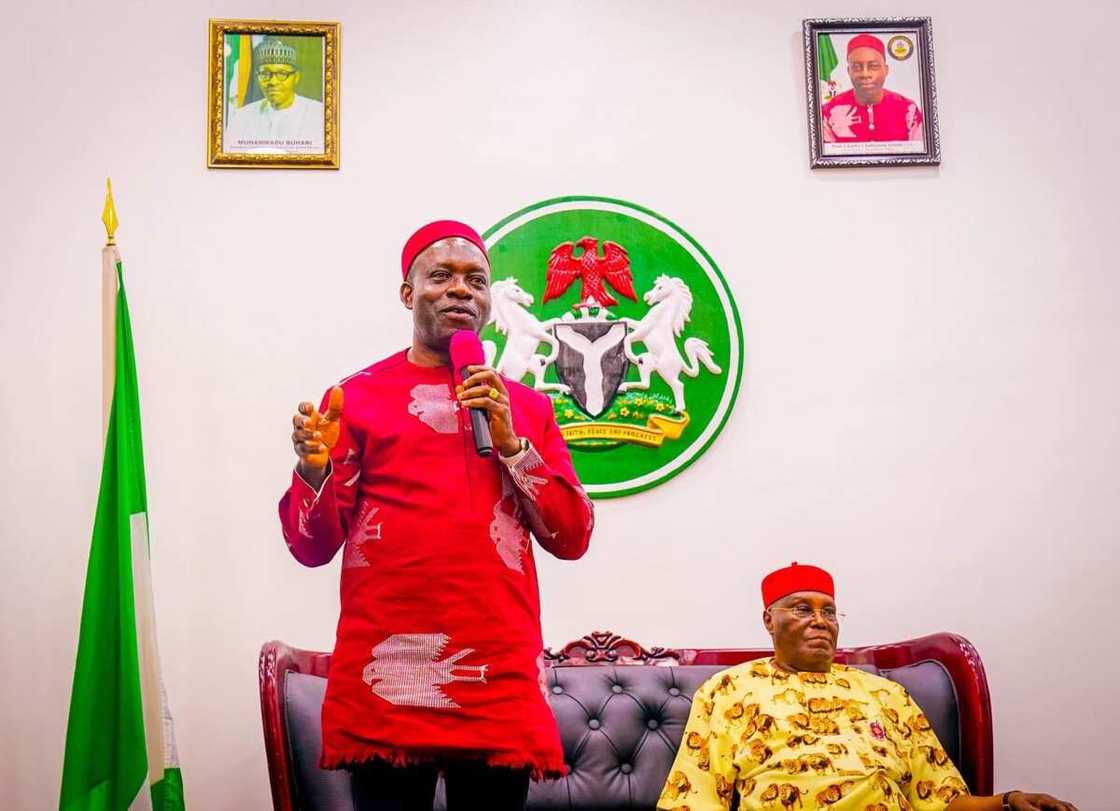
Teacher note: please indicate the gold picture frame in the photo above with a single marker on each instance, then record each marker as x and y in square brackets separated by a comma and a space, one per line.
[269, 84]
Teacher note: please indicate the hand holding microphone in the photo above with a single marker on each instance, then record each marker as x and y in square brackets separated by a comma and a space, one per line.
[485, 394]
[315, 435]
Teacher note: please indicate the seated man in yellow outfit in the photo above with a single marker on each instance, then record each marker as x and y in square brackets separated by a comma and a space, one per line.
[799, 732]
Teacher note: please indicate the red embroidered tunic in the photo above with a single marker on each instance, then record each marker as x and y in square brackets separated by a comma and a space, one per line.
[893, 118]
[438, 646]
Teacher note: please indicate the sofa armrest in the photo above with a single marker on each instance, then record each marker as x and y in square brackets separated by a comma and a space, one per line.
[275, 662]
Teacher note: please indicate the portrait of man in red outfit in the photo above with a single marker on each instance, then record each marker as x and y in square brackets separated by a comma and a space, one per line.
[871, 92]
[869, 111]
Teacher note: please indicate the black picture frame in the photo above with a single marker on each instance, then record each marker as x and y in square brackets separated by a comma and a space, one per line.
[907, 37]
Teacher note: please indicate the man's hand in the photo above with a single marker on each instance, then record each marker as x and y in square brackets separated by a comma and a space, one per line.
[1018, 800]
[1021, 801]
[314, 436]
[485, 389]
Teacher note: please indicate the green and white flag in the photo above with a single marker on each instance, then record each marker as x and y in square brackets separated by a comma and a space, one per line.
[120, 745]
[827, 62]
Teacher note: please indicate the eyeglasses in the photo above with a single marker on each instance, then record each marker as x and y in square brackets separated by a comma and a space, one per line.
[804, 612]
[269, 75]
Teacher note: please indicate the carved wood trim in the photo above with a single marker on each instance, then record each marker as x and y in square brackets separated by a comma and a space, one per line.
[607, 647]
[275, 660]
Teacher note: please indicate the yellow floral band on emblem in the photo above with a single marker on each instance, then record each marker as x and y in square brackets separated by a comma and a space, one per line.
[656, 430]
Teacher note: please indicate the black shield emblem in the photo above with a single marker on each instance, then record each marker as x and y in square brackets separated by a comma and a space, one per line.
[592, 361]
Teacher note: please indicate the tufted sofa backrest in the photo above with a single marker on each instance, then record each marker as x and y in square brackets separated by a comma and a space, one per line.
[620, 727]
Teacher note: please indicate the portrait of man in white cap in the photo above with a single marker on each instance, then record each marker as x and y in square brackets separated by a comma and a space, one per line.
[282, 121]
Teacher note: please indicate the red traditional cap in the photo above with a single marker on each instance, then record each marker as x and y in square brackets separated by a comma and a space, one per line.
[432, 233]
[866, 41]
[795, 577]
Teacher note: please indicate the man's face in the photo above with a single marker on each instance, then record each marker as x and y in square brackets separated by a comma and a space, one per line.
[868, 71]
[805, 629]
[448, 289]
[278, 83]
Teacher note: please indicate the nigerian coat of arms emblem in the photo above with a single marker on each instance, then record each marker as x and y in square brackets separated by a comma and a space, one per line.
[626, 323]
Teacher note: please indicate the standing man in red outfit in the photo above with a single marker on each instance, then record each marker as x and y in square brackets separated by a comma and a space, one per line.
[870, 112]
[437, 662]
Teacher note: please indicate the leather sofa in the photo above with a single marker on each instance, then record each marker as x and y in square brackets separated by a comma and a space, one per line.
[621, 710]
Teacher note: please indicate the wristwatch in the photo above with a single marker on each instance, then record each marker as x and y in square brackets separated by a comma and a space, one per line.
[1004, 804]
[523, 448]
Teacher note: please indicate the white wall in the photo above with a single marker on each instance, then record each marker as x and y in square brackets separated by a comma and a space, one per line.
[931, 394]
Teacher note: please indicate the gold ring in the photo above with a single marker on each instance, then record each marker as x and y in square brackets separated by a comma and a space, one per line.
[493, 393]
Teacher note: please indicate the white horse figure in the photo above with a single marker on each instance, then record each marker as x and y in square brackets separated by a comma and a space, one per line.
[524, 333]
[670, 303]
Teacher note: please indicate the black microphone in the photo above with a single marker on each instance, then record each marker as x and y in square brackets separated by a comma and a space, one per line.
[466, 350]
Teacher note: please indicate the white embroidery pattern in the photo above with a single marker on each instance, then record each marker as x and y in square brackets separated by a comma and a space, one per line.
[509, 535]
[351, 458]
[352, 557]
[363, 531]
[589, 508]
[842, 118]
[304, 523]
[542, 676]
[406, 670]
[522, 476]
[433, 405]
[346, 380]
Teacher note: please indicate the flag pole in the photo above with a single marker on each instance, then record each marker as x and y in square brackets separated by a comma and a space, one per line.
[120, 742]
[109, 260]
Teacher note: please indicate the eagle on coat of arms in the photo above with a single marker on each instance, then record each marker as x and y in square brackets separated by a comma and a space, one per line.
[594, 272]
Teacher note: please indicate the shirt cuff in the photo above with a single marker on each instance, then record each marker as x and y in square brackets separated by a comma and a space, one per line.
[510, 461]
[322, 487]
[520, 467]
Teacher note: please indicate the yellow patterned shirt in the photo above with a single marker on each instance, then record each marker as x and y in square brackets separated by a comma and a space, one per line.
[843, 740]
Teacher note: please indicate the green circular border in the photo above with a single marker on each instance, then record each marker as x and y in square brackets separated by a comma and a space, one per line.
[578, 198]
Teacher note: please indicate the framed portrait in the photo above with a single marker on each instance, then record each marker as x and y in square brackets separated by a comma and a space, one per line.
[870, 92]
[273, 94]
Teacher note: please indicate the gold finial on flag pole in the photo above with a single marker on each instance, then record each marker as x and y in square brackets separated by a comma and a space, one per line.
[109, 261]
[109, 214]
